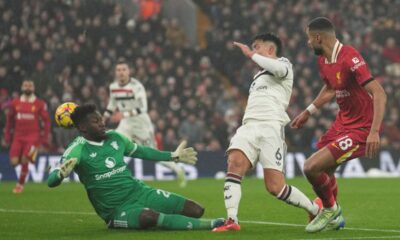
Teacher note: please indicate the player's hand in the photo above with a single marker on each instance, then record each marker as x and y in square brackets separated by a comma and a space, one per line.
[300, 120]
[4, 143]
[245, 49]
[184, 155]
[67, 167]
[373, 144]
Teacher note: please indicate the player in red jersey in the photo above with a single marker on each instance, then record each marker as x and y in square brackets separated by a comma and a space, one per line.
[23, 129]
[355, 132]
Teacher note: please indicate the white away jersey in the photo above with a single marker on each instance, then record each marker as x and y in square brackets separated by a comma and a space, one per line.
[127, 98]
[270, 91]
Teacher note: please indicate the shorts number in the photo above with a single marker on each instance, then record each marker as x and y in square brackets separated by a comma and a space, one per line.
[278, 155]
[345, 144]
[165, 193]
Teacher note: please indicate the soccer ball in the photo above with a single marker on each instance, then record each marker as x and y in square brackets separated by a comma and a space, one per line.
[63, 114]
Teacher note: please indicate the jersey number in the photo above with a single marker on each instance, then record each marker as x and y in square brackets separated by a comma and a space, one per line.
[165, 193]
[345, 144]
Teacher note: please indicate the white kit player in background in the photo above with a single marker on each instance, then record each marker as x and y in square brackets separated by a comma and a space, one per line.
[128, 95]
[261, 136]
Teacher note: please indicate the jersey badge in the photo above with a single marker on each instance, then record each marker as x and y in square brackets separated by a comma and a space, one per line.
[93, 155]
[114, 144]
[338, 78]
[110, 162]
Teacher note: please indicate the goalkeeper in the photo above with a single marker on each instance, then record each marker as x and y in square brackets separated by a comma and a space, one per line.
[119, 199]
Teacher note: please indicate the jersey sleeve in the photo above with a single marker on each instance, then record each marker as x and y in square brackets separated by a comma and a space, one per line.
[130, 146]
[358, 67]
[280, 68]
[141, 96]
[44, 115]
[73, 151]
[10, 123]
[112, 103]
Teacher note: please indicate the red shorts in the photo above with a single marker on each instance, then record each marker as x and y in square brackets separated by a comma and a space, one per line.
[346, 144]
[24, 147]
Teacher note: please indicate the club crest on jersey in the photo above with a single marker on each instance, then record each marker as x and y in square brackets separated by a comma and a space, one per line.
[93, 155]
[114, 144]
[110, 162]
[33, 108]
[338, 78]
[355, 60]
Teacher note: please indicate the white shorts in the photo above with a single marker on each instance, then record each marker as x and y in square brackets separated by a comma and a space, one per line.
[262, 142]
[139, 129]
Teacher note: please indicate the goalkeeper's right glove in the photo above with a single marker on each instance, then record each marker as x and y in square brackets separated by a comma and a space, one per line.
[67, 167]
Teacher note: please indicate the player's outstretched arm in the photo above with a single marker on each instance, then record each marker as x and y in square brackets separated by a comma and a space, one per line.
[181, 154]
[278, 68]
[325, 95]
[379, 102]
[56, 177]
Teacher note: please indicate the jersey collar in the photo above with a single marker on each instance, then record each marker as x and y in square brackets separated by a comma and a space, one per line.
[335, 53]
[29, 99]
[95, 143]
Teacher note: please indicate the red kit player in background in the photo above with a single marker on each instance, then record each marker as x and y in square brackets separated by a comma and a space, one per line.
[355, 132]
[27, 127]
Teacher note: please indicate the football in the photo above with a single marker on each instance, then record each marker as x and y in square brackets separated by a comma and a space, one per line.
[63, 114]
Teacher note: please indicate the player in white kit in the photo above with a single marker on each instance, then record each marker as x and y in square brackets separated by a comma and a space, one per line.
[261, 137]
[128, 95]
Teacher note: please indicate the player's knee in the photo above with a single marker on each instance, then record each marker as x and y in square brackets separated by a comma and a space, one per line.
[192, 209]
[310, 168]
[25, 159]
[148, 218]
[237, 162]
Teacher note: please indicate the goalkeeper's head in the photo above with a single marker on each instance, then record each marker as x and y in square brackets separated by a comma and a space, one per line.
[89, 122]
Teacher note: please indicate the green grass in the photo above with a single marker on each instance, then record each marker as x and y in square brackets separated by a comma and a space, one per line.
[367, 204]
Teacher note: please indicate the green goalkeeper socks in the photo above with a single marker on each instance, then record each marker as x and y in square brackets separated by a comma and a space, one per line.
[180, 222]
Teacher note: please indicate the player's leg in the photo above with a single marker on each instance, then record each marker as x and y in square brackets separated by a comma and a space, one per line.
[238, 165]
[272, 158]
[16, 152]
[276, 185]
[315, 169]
[135, 217]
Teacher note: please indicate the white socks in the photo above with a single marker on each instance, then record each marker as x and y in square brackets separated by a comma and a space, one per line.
[232, 195]
[295, 197]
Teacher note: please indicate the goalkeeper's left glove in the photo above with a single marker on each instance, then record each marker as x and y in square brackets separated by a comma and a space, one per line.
[67, 167]
[184, 155]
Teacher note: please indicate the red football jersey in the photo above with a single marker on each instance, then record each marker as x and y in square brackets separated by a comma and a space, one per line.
[23, 119]
[347, 73]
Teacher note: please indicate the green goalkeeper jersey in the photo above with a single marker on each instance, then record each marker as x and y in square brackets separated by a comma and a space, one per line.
[102, 170]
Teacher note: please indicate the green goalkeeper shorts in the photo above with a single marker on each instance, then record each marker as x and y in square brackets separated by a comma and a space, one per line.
[127, 215]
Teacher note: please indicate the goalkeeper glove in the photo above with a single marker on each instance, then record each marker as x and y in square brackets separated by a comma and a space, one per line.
[184, 155]
[67, 167]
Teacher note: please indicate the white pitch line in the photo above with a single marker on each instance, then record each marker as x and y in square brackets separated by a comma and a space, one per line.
[249, 222]
[353, 238]
[45, 212]
[302, 225]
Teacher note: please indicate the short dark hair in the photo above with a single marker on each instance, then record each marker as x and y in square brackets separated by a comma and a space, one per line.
[321, 24]
[271, 38]
[122, 61]
[81, 112]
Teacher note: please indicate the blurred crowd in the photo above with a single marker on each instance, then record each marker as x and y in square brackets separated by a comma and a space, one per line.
[373, 27]
[68, 48]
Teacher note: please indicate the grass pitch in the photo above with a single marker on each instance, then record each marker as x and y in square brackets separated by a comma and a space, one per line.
[371, 208]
